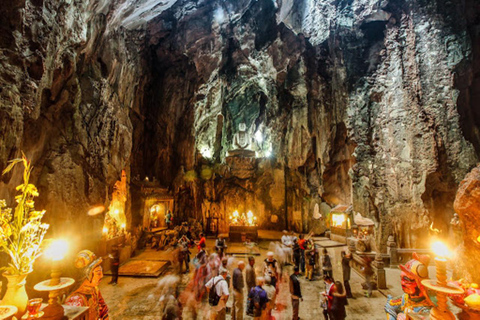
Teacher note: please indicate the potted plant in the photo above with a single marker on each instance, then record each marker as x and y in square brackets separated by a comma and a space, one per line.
[21, 235]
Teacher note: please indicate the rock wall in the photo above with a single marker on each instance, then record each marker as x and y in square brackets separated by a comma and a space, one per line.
[370, 103]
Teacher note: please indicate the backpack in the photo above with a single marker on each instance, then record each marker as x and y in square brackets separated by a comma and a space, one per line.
[213, 297]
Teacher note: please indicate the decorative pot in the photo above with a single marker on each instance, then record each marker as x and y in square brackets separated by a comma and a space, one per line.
[16, 294]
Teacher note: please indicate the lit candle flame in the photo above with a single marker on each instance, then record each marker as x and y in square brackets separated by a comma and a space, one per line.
[440, 249]
[105, 230]
[57, 250]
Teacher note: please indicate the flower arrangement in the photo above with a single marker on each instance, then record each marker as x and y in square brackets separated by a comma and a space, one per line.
[21, 233]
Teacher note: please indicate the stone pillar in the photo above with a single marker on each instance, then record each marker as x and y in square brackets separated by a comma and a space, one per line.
[351, 243]
[392, 251]
[379, 268]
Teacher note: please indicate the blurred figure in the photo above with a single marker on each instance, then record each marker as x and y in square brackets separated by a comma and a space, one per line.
[326, 264]
[271, 295]
[250, 274]
[302, 245]
[295, 292]
[310, 264]
[287, 243]
[185, 253]
[296, 253]
[346, 258]
[202, 243]
[114, 264]
[368, 276]
[238, 285]
[270, 268]
[220, 246]
[168, 219]
[339, 302]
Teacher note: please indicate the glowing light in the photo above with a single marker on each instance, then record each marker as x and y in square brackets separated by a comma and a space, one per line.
[259, 137]
[96, 210]
[243, 219]
[206, 153]
[123, 226]
[440, 249]
[478, 238]
[105, 230]
[338, 220]
[57, 250]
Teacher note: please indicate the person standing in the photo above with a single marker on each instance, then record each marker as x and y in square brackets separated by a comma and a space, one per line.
[310, 264]
[368, 276]
[339, 302]
[238, 285]
[346, 258]
[168, 219]
[271, 268]
[295, 292]
[301, 244]
[296, 253]
[271, 296]
[326, 264]
[250, 275]
[258, 298]
[202, 243]
[115, 264]
[328, 297]
[219, 284]
[220, 246]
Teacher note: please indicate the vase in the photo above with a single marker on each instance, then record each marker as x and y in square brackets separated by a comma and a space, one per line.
[16, 295]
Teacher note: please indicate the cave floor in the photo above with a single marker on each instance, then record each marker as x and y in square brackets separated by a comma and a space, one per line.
[138, 298]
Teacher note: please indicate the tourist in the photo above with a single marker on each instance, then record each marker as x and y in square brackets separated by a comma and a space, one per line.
[257, 300]
[295, 292]
[287, 243]
[168, 219]
[310, 264]
[238, 285]
[339, 302]
[220, 294]
[326, 264]
[296, 253]
[225, 265]
[301, 244]
[250, 274]
[200, 276]
[328, 297]
[185, 253]
[346, 258]
[271, 268]
[271, 295]
[368, 270]
[202, 243]
[220, 246]
[114, 264]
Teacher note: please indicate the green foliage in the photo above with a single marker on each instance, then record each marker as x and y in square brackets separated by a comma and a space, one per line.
[22, 232]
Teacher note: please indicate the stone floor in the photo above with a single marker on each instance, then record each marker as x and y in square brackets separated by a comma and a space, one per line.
[138, 298]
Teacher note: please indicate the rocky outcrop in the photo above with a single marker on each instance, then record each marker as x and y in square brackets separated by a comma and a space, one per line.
[467, 205]
[369, 103]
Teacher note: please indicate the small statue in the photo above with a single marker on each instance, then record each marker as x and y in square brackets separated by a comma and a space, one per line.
[88, 294]
[456, 230]
[242, 139]
[415, 298]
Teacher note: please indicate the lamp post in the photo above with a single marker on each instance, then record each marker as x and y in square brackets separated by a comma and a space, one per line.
[55, 252]
[440, 286]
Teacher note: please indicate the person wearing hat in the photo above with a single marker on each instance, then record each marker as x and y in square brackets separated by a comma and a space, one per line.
[219, 284]
[87, 293]
[295, 292]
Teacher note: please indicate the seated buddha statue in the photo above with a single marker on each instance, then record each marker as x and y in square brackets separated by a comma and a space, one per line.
[242, 142]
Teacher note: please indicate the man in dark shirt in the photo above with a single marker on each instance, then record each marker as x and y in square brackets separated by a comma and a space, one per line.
[238, 285]
[258, 299]
[250, 274]
[346, 258]
[295, 292]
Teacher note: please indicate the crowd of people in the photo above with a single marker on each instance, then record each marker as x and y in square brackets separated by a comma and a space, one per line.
[253, 289]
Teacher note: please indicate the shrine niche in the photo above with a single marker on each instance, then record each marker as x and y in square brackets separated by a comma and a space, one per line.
[116, 219]
[156, 203]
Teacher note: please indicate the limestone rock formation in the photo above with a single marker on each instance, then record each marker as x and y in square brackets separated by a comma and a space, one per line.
[364, 102]
[467, 205]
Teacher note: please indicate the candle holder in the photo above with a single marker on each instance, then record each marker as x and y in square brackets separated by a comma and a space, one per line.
[440, 286]
[54, 286]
